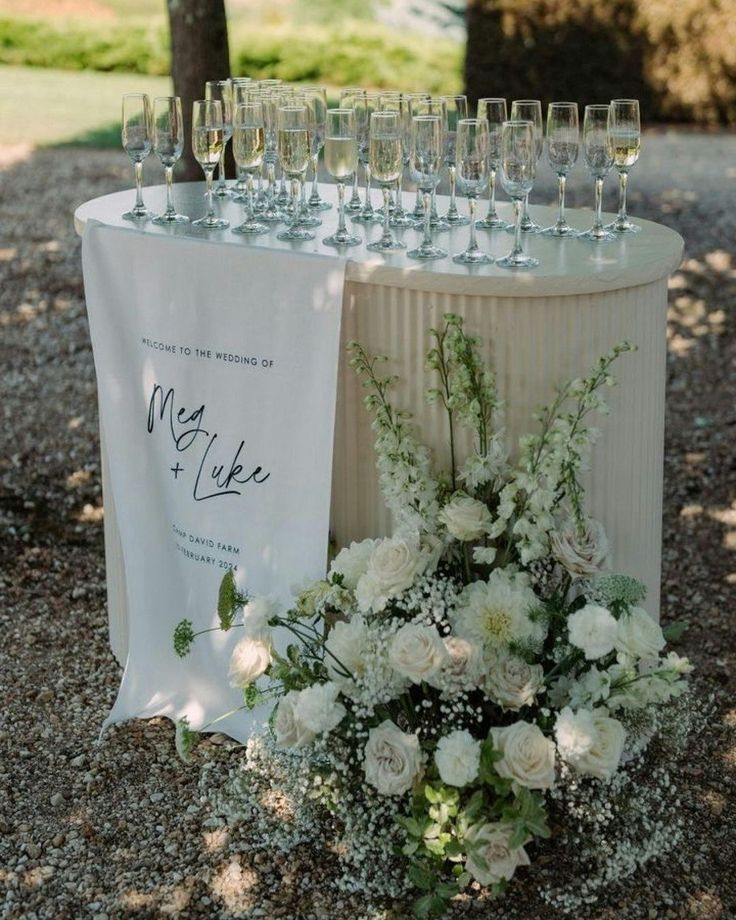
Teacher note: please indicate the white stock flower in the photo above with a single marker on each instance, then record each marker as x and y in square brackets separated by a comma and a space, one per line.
[462, 669]
[458, 758]
[528, 757]
[593, 630]
[347, 641]
[256, 614]
[316, 708]
[496, 612]
[591, 742]
[484, 555]
[639, 635]
[417, 652]
[288, 729]
[394, 566]
[580, 554]
[465, 518]
[352, 562]
[677, 664]
[512, 682]
[491, 842]
[575, 733]
[249, 660]
[393, 759]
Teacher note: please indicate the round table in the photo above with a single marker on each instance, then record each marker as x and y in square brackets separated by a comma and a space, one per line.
[538, 329]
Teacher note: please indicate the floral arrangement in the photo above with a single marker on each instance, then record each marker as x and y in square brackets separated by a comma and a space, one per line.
[451, 691]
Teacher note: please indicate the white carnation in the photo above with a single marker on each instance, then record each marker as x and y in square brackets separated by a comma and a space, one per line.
[394, 566]
[579, 554]
[352, 562]
[575, 733]
[417, 652]
[393, 759]
[256, 614]
[639, 635]
[528, 757]
[458, 758]
[498, 860]
[316, 708]
[465, 518]
[347, 641]
[593, 630]
[512, 682]
[249, 660]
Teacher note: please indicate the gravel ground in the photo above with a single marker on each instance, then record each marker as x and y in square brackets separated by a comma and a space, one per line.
[120, 829]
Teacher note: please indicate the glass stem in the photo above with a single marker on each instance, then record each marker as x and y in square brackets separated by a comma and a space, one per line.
[295, 184]
[518, 215]
[221, 166]
[315, 168]
[367, 204]
[139, 185]
[623, 178]
[386, 215]
[473, 244]
[271, 176]
[400, 193]
[341, 227]
[356, 193]
[525, 211]
[249, 216]
[427, 198]
[210, 175]
[492, 188]
[169, 173]
[453, 186]
[561, 182]
[598, 222]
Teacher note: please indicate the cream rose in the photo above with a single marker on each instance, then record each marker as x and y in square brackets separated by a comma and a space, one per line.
[289, 730]
[491, 843]
[462, 668]
[593, 630]
[512, 682]
[393, 759]
[352, 562]
[417, 652]
[603, 757]
[394, 566]
[249, 660]
[465, 518]
[580, 554]
[458, 758]
[347, 642]
[639, 635]
[528, 757]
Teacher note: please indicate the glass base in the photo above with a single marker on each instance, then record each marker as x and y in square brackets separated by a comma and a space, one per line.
[221, 191]
[597, 235]
[317, 204]
[308, 220]
[367, 217]
[272, 216]
[355, 204]
[139, 214]
[493, 223]
[623, 226]
[427, 252]
[283, 199]
[211, 223]
[341, 239]
[295, 235]
[559, 230]
[401, 220]
[166, 219]
[437, 225]
[527, 226]
[251, 226]
[456, 220]
[472, 257]
[520, 261]
[382, 245]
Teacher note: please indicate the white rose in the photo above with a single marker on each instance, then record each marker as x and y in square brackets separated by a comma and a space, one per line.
[490, 842]
[575, 733]
[393, 759]
[289, 730]
[417, 652]
[604, 756]
[249, 660]
[593, 630]
[458, 758]
[256, 615]
[639, 635]
[394, 566]
[580, 554]
[465, 518]
[528, 757]
[316, 708]
[352, 562]
[462, 669]
[347, 642]
[512, 682]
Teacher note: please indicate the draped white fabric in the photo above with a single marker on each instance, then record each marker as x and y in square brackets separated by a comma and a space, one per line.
[216, 373]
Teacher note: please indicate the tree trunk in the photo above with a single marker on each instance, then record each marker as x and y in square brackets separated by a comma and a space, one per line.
[482, 76]
[199, 52]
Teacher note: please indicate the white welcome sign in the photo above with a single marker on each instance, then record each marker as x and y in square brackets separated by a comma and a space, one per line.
[217, 374]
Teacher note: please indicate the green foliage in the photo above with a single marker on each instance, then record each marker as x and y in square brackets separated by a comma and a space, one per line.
[673, 632]
[183, 638]
[227, 600]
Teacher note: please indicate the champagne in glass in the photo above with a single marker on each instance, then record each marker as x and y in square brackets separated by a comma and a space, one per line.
[457, 109]
[385, 156]
[341, 161]
[293, 147]
[427, 153]
[493, 109]
[168, 145]
[433, 105]
[316, 98]
[626, 136]
[208, 139]
[136, 135]
[471, 153]
[563, 141]
[530, 110]
[598, 149]
[518, 165]
[348, 99]
[249, 147]
[222, 91]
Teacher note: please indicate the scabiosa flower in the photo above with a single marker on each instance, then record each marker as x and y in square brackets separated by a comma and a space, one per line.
[497, 612]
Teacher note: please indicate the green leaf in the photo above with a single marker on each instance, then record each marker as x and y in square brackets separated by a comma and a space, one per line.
[183, 638]
[422, 907]
[673, 632]
[420, 876]
[252, 696]
[226, 600]
[432, 795]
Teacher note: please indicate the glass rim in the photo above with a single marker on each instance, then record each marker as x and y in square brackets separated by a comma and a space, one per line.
[473, 121]
[518, 121]
[597, 107]
[341, 110]
[426, 118]
[492, 99]
[168, 98]
[627, 101]
[526, 102]
[136, 96]
[563, 105]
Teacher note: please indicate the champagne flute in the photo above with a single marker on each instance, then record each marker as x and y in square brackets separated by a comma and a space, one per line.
[136, 137]
[433, 105]
[168, 145]
[598, 148]
[386, 163]
[427, 151]
[530, 110]
[348, 98]
[208, 139]
[244, 91]
[471, 154]
[518, 164]
[365, 106]
[293, 141]
[316, 97]
[396, 102]
[457, 109]
[249, 146]
[417, 214]
[222, 91]
[563, 142]
[341, 161]
[626, 133]
[493, 110]
[271, 213]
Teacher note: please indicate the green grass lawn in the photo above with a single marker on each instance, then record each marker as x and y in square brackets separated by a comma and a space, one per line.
[43, 107]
